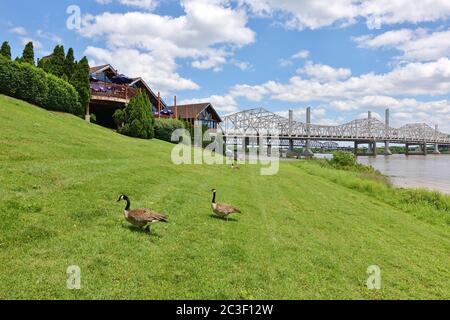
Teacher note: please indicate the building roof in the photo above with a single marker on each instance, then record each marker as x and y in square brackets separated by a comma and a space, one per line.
[101, 68]
[146, 86]
[192, 111]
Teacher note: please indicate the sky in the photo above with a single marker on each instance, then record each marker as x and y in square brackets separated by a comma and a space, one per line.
[340, 57]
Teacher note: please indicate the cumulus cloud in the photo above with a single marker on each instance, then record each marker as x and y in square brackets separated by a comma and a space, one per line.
[313, 14]
[324, 73]
[207, 35]
[415, 45]
[223, 104]
[431, 78]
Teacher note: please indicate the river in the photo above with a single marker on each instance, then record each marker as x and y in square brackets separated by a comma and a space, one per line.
[430, 172]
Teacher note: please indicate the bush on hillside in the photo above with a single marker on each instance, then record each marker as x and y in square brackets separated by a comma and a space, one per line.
[26, 82]
[136, 120]
[165, 127]
[347, 161]
[343, 159]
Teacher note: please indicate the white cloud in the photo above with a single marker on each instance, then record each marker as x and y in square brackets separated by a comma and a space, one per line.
[36, 44]
[388, 12]
[252, 93]
[432, 78]
[300, 14]
[141, 4]
[207, 34]
[49, 36]
[416, 45]
[223, 104]
[303, 54]
[21, 31]
[313, 14]
[159, 72]
[324, 73]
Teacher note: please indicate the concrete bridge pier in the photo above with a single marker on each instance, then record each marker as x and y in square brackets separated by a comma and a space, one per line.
[422, 149]
[246, 143]
[387, 150]
[307, 152]
[372, 148]
[355, 148]
[436, 149]
[291, 144]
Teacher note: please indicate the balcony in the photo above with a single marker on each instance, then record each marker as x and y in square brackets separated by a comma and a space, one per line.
[104, 91]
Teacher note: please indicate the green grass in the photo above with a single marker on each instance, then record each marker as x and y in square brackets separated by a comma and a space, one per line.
[309, 232]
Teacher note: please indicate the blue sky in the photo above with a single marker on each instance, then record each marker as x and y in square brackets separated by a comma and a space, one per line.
[341, 57]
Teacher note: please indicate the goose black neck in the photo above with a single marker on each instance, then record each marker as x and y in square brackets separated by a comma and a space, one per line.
[127, 208]
[214, 197]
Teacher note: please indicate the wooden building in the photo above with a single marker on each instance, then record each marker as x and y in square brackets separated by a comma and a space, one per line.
[111, 91]
[203, 112]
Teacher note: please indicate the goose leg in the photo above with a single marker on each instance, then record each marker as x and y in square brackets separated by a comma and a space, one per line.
[147, 228]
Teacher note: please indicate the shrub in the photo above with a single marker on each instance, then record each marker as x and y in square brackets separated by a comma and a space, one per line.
[136, 120]
[62, 96]
[342, 159]
[165, 127]
[26, 82]
[347, 161]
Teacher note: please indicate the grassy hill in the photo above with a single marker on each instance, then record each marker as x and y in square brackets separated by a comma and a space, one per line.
[307, 232]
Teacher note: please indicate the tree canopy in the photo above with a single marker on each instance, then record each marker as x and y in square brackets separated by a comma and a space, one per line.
[136, 120]
[28, 53]
[5, 50]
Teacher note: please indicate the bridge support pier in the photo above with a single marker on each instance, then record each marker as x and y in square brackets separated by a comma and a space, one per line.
[355, 148]
[307, 152]
[436, 149]
[387, 150]
[246, 144]
[422, 149]
[372, 148]
[291, 145]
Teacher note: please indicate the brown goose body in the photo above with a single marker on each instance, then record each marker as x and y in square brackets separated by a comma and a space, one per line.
[222, 210]
[141, 217]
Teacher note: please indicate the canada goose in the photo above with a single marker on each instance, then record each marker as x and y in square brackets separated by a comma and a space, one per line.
[141, 218]
[221, 209]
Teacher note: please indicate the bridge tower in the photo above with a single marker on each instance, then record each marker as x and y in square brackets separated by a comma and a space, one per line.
[307, 151]
[372, 144]
[387, 151]
[291, 124]
[436, 145]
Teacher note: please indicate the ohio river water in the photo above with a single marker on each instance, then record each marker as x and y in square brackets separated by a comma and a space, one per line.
[430, 172]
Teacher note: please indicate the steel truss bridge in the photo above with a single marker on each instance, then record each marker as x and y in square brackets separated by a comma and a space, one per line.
[262, 123]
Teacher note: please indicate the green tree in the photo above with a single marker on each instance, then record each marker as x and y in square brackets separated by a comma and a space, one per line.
[70, 63]
[5, 50]
[136, 119]
[55, 63]
[28, 53]
[80, 80]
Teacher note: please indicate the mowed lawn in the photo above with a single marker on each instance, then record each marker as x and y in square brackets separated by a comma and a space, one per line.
[301, 235]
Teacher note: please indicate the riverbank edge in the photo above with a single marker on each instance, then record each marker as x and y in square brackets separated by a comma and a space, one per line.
[426, 205]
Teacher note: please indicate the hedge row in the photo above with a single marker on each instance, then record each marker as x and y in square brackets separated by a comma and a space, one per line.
[165, 127]
[26, 82]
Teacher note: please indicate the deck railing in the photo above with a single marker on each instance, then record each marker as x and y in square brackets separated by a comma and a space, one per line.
[112, 90]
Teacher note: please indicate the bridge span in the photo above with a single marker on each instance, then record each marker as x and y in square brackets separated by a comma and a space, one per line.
[262, 124]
